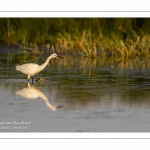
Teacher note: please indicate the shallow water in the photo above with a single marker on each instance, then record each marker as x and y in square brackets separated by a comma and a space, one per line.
[79, 95]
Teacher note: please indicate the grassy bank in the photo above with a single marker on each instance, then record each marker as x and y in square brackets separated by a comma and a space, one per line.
[91, 37]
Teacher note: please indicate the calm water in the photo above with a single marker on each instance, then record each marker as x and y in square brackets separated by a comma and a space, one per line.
[79, 95]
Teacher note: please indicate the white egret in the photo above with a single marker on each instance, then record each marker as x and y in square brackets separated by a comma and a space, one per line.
[31, 69]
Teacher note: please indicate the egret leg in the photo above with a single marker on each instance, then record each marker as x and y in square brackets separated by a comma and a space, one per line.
[28, 77]
[32, 79]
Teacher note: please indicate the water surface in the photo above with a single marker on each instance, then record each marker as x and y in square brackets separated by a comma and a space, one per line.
[79, 95]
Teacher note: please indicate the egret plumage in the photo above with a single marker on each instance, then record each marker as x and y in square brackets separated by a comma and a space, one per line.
[31, 69]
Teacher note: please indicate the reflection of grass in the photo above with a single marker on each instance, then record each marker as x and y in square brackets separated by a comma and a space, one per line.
[22, 59]
[87, 64]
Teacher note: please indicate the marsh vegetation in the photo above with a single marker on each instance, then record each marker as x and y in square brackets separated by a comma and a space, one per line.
[90, 37]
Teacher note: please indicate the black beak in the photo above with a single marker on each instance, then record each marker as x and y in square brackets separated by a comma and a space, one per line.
[60, 56]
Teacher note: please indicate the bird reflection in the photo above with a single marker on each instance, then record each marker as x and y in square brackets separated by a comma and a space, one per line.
[32, 93]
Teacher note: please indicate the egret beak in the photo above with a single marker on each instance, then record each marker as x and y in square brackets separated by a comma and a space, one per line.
[60, 57]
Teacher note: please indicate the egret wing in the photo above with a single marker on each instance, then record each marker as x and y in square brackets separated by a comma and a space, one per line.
[29, 68]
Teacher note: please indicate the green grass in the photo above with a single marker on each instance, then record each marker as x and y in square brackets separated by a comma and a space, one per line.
[89, 37]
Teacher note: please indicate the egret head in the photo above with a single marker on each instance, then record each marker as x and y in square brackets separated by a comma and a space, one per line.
[56, 56]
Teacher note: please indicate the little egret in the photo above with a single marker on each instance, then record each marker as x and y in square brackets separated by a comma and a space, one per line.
[31, 69]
